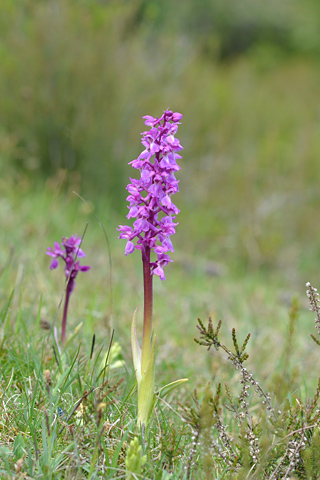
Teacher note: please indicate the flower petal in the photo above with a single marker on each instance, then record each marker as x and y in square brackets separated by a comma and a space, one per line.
[54, 264]
[129, 248]
[84, 268]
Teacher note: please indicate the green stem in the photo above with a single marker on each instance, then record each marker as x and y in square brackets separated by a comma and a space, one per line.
[147, 316]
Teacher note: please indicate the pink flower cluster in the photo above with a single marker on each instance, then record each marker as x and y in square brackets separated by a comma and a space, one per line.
[150, 196]
[68, 251]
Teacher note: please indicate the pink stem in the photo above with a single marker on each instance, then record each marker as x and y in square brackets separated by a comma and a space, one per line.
[65, 313]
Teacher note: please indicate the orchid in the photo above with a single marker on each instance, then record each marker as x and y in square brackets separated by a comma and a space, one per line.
[151, 205]
[68, 251]
[150, 196]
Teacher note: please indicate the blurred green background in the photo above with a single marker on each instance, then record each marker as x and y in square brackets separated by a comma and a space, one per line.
[76, 77]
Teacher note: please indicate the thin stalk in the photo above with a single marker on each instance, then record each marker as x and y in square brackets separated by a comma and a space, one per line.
[147, 314]
[65, 313]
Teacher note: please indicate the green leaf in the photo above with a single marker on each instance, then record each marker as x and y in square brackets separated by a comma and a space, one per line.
[146, 397]
[136, 350]
[18, 446]
[162, 392]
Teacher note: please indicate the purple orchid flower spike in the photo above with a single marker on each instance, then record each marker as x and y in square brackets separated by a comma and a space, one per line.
[150, 196]
[151, 206]
[69, 251]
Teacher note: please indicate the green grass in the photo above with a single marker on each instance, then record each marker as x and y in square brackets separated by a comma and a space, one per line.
[35, 381]
[246, 244]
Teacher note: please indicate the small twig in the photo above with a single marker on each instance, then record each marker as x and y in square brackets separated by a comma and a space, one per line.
[56, 356]
[92, 345]
[302, 429]
[75, 408]
[47, 420]
[172, 409]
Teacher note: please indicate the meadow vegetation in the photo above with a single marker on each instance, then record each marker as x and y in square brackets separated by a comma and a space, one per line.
[75, 80]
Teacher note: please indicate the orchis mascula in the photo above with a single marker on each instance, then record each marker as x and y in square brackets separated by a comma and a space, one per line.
[150, 195]
[151, 205]
[68, 251]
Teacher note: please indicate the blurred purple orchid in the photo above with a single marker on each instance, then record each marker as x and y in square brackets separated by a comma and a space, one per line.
[69, 250]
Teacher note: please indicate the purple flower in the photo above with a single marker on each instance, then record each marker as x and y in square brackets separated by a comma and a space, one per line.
[150, 196]
[68, 251]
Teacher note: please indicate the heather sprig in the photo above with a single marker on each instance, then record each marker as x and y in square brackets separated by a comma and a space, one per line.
[273, 445]
[209, 337]
[151, 205]
[313, 297]
[68, 251]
